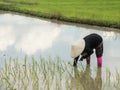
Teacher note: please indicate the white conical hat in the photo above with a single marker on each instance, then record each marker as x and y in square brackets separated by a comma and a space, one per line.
[77, 47]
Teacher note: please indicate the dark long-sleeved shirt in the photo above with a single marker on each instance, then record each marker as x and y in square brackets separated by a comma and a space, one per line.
[91, 42]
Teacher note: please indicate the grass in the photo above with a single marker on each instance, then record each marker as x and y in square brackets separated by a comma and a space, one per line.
[93, 12]
[53, 74]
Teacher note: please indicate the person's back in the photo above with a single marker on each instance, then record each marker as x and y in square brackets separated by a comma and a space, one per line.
[93, 40]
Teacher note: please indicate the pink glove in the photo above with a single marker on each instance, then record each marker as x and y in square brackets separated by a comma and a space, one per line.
[99, 61]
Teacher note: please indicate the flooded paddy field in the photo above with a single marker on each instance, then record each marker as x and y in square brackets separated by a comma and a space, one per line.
[43, 48]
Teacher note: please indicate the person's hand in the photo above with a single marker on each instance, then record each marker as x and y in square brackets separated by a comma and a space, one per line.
[81, 59]
[75, 63]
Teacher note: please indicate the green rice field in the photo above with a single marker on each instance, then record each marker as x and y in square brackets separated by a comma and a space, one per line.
[93, 12]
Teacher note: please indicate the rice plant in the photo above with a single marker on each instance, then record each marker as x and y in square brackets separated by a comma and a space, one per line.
[53, 74]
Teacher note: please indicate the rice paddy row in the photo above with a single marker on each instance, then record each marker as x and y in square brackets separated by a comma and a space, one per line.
[53, 74]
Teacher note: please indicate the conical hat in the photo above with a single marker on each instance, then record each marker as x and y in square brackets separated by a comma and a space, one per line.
[77, 47]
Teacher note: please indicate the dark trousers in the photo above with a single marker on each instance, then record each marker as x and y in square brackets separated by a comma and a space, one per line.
[99, 50]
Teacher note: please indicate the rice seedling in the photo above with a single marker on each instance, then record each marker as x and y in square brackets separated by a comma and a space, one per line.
[53, 74]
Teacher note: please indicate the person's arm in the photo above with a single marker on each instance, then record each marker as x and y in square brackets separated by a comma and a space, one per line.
[84, 55]
[75, 61]
[87, 57]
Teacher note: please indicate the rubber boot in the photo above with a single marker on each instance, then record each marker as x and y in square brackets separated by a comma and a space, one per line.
[99, 61]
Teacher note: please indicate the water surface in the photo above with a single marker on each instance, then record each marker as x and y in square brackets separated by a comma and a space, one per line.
[22, 35]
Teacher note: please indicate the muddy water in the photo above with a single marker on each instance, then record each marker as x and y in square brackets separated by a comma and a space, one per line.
[21, 35]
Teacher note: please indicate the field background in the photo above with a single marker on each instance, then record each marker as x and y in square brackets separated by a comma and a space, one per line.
[93, 12]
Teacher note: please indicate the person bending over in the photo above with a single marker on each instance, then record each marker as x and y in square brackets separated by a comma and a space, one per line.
[83, 49]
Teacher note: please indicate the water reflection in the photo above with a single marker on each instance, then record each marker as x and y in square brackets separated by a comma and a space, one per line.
[25, 37]
[6, 37]
[111, 35]
[21, 35]
[84, 81]
[36, 39]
